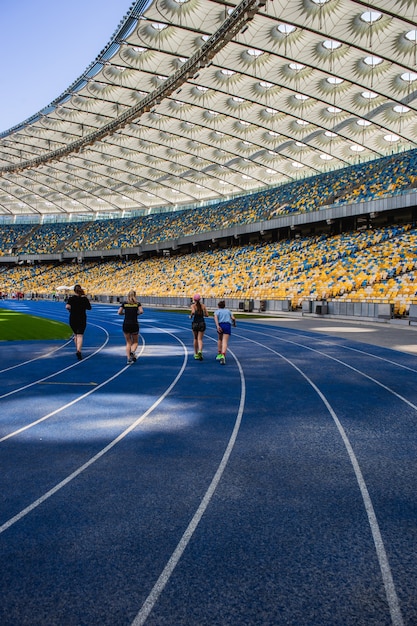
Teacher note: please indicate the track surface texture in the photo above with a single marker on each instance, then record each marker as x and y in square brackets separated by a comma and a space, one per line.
[277, 489]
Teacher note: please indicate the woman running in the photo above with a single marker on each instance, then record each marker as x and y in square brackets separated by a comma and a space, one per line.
[198, 325]
[77, 305]
[131, 309]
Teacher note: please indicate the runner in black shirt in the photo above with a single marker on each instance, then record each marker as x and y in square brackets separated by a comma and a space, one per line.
[131, 309]
[77, 305]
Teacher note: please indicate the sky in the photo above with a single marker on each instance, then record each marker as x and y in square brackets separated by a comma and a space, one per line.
[45, 45]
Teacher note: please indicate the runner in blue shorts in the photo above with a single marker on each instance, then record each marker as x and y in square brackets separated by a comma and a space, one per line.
[224, 319]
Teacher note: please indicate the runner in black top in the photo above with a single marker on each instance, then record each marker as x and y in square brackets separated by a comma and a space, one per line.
[131, 309]
[77, 305]
[198, 325]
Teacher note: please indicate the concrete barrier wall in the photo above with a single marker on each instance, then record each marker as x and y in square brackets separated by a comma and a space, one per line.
[366, 310]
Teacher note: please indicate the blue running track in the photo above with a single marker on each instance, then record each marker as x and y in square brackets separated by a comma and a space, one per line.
[279, 489]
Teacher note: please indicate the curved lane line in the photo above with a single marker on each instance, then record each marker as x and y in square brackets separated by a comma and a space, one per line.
[65, 406]
[41, 380]
[332, 358]
[390, 592]
[340, 345]
[42, 356]
[102, 452]
[166, 573]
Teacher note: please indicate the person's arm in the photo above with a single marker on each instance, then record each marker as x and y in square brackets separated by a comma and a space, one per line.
[219, 330]
[68, 307]
[206, 313]
[140, 310]
[192, 312]
[121, 310]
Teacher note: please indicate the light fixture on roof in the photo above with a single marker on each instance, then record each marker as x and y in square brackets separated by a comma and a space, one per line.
[296, 164]
[254, 53]
[391, 138]
[369, 95]
[334, 80]
[330, 133]
[159, 26]
[400, 108]
[356, 148]
[286, 29]
[296, 66]
[333, 109]
[363, 122]
[409, 77]
[371, 16]
[411, 35]
[326, 157]
[331, 44]
[372, 60]
[302, 122]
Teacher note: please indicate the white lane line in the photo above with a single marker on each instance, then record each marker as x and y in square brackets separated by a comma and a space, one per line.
[332, 358]
[166, 573]
[344, 347]
[100, 454]
[41, 380]
[66, 406]
[42, 356]
[390, 592]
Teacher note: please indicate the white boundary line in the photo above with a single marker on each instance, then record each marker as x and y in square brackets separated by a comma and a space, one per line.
[65, 406]
[166, 573]
[41, 380]
[390, 592]
[102, 452]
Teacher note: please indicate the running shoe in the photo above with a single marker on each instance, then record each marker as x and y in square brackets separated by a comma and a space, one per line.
[219, 356]
[79, 355]
[200, 355]
[133, 357]
[222, 360]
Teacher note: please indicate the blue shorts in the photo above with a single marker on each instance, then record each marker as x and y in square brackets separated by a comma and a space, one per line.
[226, 328]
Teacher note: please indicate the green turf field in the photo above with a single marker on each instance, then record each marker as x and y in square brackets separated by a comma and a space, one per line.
[15, 326]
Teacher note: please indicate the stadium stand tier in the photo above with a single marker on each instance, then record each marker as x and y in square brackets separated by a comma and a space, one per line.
[367, 263]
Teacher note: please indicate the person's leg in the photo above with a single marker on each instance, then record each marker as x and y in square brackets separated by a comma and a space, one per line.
[134, 340]
[78, 339]
[219, 345]
[225, 343]
[200, 340]
[195, 341]
[128, 344]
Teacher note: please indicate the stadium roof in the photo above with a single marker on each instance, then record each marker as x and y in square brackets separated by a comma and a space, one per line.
[197, 100]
